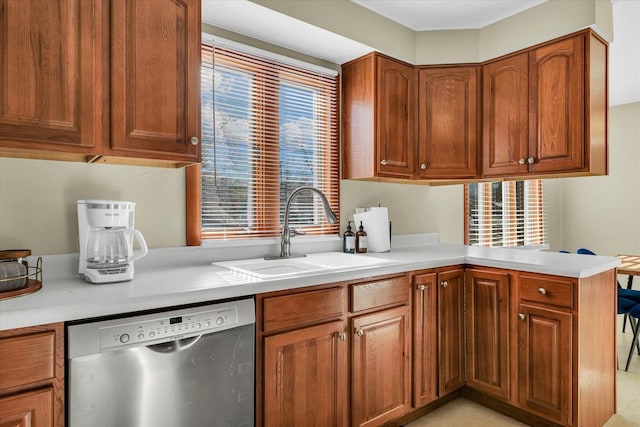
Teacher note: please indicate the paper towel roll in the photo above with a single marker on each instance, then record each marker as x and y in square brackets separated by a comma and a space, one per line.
[376, 223]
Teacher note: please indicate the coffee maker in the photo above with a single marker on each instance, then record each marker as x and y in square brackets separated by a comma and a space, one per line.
[106, 236]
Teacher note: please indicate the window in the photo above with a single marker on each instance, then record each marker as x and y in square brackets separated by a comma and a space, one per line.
[504, 213]
[267, 128]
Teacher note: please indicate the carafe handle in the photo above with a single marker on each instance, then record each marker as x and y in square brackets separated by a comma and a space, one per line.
[143, 246]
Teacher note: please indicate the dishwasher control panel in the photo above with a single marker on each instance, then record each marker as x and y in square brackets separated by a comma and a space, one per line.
[163, 327]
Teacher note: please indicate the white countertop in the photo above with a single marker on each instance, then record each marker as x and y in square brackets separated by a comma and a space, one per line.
[175, 276]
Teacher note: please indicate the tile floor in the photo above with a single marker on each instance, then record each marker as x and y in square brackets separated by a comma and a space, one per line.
[462, 412]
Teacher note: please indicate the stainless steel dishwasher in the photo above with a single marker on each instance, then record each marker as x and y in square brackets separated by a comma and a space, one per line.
[188, 367]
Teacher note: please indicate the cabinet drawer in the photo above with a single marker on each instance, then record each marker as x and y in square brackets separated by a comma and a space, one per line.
[380, 293]
[27, 359]
[547, 290]
[302, 309]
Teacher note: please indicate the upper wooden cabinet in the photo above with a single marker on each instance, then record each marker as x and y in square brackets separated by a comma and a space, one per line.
[49, 61]
[545, 110]
[155, 85]
[448, 122]
[100, 80]
[378, 126]
[540, 111]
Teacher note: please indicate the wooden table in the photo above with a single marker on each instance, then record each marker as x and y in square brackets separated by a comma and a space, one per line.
[631, 266]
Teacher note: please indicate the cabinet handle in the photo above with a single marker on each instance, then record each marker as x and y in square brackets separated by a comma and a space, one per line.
[423, 166]
[521, 316]
[444, 284]
[359, 332]
[521, 162]
[421, 287]
[542, 291]
[342, 336]
[383, 162]
[195, 140]
[531, 160]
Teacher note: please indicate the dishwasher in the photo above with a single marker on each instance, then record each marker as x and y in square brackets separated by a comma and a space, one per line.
[185, 367]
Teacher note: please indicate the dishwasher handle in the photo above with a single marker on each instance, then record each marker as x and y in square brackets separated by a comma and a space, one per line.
[174, 346]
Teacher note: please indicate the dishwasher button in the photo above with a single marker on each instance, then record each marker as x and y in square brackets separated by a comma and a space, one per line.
[124, 338]
[140, 336]
[152, 334]
[219, 321]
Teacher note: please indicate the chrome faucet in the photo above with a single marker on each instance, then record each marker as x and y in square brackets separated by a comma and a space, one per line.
[287, 232]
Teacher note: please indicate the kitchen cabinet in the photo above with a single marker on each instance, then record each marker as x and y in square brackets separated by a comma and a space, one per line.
[378, 130]
[425, 338]
[545, 109]
[450, 331]
[105, 81]
[154, 79]
[448, 122]
[487, 314]
[32, 376]
[51, 57]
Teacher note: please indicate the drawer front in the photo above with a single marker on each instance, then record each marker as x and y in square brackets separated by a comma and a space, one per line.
[380, 293]
[547, 290]
[27, 359]
[302, 309]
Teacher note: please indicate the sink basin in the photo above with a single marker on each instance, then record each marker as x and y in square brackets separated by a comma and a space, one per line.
[312, 263]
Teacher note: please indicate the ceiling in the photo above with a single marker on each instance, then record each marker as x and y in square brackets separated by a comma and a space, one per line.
[247, 18]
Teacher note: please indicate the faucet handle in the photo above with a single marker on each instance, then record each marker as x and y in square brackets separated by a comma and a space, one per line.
[293, 232]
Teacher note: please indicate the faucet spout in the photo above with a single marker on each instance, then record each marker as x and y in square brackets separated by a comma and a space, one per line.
[285, 242]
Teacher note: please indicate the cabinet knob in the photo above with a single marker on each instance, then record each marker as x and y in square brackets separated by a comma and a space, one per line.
[342, 336]
[444, 284]
[359, 332]
[421, 287]
[423, 166]
[531, 160]
[521, 316]
[383, 162]
[542, 291]
[195, 140]
[521, 162]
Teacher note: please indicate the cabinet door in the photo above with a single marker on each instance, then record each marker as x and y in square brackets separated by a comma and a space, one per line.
[544, 362]
[557, 111]
[505, 127]
[450, 331]
[395, 103]
[425, 339]
[447, 122]
[48, 64]
[487, 319]
[380, 366]
[155, 86]
[305, 377]
[28, 409]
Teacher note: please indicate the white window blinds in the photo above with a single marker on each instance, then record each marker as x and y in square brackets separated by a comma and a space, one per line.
[267, 128]
[505, 213]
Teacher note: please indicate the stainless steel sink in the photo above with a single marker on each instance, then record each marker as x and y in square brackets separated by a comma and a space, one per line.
[312, 263]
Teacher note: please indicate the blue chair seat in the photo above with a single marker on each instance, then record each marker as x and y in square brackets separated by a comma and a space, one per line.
[629, 294]
[625, 305]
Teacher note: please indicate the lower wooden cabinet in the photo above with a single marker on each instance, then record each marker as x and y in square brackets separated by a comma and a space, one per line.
[487, 300]
[305, 375]
[380, 366]
[32, 376]
[425, 339]
[450, 331]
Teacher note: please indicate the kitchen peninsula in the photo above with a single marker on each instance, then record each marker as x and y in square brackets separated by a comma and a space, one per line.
[510, 316]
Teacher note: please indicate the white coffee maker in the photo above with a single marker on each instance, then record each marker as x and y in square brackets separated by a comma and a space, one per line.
[106, 240]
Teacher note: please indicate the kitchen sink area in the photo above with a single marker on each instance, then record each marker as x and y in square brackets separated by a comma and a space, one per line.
[266, 268]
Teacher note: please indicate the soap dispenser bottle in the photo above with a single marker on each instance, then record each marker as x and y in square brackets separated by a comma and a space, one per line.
[349, 240]
[361, 240]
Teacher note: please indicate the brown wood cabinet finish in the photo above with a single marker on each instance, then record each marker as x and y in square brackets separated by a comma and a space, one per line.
[450, 331]
[379, 294]
[378, 125]
[49, 61]
[487, 313]
[155, 89]
[448, 107]
[306, 377]
[380, 366]
[32, 376]
[425, 339]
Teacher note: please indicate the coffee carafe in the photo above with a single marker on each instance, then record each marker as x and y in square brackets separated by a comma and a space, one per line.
[106, 240]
